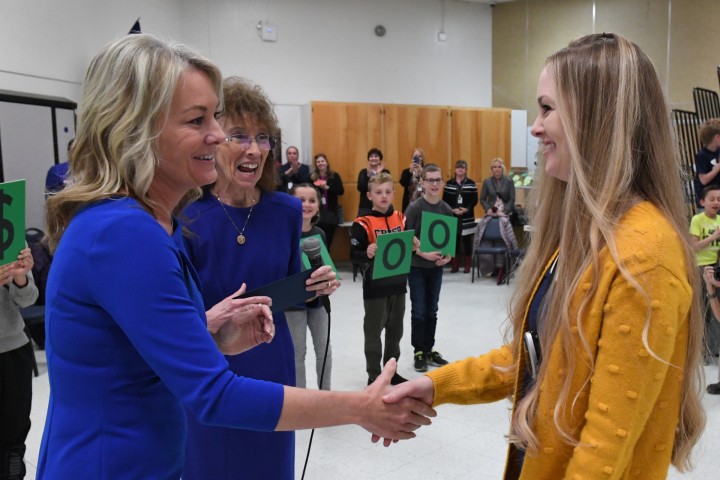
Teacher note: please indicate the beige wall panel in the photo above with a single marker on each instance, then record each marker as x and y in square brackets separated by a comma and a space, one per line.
[410, 126]
[643, 22]
[694, 53]
[694, 50]
[509, 56]
[551, 26]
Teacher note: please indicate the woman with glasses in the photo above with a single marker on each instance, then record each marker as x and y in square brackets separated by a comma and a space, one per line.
[243, 231]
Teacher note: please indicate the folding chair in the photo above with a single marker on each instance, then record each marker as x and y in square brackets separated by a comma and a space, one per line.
[495, 246]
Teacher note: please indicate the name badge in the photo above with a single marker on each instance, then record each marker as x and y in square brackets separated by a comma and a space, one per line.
[459, 202]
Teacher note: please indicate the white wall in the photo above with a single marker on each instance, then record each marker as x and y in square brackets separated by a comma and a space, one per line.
[46, 44]
[326, 49]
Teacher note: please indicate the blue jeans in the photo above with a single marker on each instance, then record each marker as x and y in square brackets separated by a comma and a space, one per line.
[424, 286]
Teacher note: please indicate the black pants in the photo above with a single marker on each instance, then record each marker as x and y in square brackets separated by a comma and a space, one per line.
[329, 230]
[463, 244]
[15, 400]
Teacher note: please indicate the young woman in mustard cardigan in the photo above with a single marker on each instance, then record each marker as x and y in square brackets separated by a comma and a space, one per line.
[604, 296]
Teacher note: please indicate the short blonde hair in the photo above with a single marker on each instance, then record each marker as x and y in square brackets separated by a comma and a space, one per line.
[709, 129]
[497, 160]
[379, 179]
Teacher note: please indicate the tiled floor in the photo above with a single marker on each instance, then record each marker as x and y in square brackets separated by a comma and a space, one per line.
[464, 442]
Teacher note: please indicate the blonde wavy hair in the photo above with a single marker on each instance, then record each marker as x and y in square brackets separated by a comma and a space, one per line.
[617, 125]
[125, 101]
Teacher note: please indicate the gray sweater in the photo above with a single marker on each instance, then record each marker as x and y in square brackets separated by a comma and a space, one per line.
[413, 221]
[12, 299]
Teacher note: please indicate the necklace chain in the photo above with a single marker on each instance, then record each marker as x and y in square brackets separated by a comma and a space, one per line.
[241, 233]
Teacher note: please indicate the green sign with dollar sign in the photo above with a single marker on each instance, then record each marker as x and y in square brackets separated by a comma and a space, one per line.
[12, 220]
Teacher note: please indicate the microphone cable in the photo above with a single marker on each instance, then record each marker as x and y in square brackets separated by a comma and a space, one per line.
[326, 305]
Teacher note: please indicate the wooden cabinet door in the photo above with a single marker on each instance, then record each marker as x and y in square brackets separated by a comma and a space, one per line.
[478, 136]
[345, 132]
[409, 126]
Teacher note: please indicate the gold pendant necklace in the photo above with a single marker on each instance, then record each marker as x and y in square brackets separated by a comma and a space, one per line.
[241, 233]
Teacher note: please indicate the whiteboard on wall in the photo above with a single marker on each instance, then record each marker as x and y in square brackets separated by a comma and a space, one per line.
[533, 146]
[518, 140]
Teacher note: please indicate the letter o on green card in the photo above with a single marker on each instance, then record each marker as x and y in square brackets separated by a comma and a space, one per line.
[390, 259]
[434, 236]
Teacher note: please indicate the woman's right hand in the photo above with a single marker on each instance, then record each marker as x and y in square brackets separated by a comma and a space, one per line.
[393, 420]
[239, 324]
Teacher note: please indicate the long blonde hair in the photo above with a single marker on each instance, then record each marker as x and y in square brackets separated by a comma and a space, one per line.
[617, 125]
[125, 100]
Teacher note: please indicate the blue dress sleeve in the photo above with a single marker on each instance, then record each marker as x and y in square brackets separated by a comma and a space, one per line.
[143, 287]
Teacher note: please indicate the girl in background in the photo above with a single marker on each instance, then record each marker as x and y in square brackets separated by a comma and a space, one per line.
[313, 316]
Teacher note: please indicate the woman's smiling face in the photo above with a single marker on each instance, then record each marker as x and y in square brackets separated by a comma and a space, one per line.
[548, 128]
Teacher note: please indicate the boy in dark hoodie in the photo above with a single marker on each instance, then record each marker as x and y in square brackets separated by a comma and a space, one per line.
[384, 299]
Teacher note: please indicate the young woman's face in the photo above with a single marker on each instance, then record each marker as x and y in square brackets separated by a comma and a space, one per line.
[292, 155]
[321, 163]
[310, 203]
[548, 129]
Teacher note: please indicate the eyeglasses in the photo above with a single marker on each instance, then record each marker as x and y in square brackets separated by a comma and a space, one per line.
[436, 181]
[264, 141]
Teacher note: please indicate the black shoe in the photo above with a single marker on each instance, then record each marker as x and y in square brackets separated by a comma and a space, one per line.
[420, 362]
[397, 380]
[434, 358]
[371, 380]
[713, 389]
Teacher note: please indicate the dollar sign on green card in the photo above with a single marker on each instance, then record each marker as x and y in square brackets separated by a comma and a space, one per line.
[6, 227]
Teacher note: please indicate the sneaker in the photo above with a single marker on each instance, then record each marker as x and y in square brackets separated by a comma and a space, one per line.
[434, 358]
[420, 362]
[713, 389]
[397, 380]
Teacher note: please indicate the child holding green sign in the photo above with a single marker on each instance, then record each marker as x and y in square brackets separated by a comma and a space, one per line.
[313, 316]
[426, 270]
[384, 299]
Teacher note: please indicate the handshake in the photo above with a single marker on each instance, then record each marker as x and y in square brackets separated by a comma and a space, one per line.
[394, 412]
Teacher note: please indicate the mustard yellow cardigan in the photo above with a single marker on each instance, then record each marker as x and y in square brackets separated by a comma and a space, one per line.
[626, 415]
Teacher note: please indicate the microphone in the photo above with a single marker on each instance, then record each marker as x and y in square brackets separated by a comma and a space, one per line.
[312, 248]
